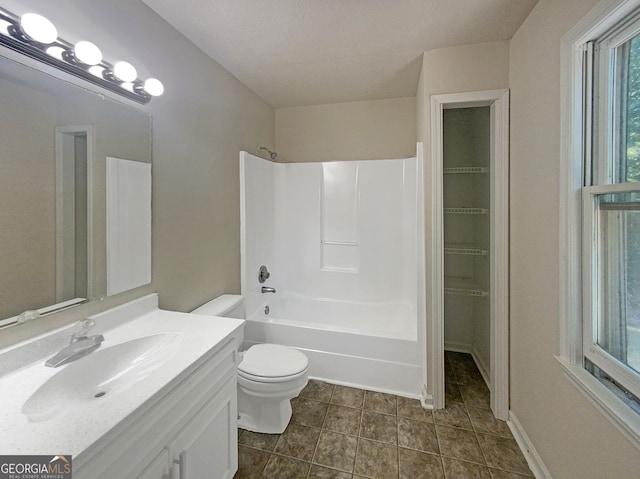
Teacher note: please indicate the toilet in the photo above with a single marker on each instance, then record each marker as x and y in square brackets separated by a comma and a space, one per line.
[269, 375]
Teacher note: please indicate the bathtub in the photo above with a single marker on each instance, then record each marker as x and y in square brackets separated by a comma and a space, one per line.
[366, 345]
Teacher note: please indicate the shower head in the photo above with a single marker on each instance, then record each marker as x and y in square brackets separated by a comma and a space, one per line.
[272, 154]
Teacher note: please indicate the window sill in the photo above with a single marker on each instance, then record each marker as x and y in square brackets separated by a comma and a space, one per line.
[625, 419]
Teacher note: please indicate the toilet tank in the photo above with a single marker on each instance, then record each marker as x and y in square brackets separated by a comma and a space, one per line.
[227, 305]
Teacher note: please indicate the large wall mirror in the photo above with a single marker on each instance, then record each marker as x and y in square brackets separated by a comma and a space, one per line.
[75, 183]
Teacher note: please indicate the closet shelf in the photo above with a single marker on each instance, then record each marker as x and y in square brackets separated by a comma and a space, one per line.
[465, 290]
[467, 211]
[462, 286]
[465, 170]
[466, 249]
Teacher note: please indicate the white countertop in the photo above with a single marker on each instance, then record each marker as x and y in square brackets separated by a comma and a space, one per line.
[73, 429]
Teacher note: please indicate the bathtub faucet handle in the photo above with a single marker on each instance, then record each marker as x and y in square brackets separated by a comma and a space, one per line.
[263, 274]
[266, 289]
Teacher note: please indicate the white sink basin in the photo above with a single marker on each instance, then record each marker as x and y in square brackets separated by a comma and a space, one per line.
[146, 354]
[101, 374]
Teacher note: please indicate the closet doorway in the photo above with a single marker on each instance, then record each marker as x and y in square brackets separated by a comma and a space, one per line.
[468, 251]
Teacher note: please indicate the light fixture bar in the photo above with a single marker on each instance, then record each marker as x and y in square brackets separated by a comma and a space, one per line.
[101, 73]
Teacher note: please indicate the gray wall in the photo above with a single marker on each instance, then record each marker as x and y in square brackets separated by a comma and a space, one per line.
[477, 67]
[574, 439]
[467, 68]
[361, 130]
[27, 199]
[201, 122]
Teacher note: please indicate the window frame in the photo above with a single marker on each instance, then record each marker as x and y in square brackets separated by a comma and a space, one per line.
[601, 52]
[592, 307]
[577, 198]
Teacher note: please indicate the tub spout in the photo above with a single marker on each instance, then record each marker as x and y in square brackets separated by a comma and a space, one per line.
[266, 289]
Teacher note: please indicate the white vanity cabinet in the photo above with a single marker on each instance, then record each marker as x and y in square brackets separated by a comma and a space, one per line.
[157, 400]
[188, 432]
[159, 467]
[200, 450]
[204, 447]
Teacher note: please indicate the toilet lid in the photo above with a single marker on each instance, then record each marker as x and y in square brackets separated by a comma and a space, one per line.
[273, 360]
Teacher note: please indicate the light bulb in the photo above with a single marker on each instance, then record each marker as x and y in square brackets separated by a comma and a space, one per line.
[87, 52]
[96, 71]
[128, 86]
[125, 72]
[56, 52]
[38, 28]
[153, 87]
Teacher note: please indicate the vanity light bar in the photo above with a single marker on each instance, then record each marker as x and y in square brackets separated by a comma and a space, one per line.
[35, 36]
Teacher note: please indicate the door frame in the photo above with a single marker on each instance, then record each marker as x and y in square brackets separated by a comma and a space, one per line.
[65, 156]
[498, 101]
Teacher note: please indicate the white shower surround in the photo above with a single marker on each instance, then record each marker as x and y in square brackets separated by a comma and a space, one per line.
[349, 280]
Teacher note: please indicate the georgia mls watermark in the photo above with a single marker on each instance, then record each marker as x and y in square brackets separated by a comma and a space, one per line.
[35, 467]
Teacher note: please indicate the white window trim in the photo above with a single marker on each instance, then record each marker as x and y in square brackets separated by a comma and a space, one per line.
[597, 22]
[594, 352]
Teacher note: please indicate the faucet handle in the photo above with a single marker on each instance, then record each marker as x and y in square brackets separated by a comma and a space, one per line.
[263, 274]
[82, 328]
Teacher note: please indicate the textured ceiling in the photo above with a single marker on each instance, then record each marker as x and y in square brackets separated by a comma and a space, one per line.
[304, 52]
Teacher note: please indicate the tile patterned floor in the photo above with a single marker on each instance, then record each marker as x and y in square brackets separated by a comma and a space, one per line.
[338, 432]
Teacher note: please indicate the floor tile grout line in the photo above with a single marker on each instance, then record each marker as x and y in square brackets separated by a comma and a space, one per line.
[435, 431]
[476, 433]
[484, 455]
[466, 406]
[465, 460]
[311, 463]
[336, 432]
[265, 466]
[353, 469]
[442, 455]
[397, 439]
[398, 434]
[324, 419]
[355, 457]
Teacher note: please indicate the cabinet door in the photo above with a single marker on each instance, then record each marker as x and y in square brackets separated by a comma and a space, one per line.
[207, 446]
[158, 468]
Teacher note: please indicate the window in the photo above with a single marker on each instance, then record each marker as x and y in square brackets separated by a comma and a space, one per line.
[611, 207]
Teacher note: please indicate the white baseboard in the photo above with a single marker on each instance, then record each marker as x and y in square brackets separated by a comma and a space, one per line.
[526, 446]
[482, 367]
[457, 347]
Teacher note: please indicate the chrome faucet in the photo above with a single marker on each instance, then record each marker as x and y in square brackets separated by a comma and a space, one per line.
[79, 346]
[266, 289]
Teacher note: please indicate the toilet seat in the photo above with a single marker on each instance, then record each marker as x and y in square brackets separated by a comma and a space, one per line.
[272, 363]
[277, 379]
